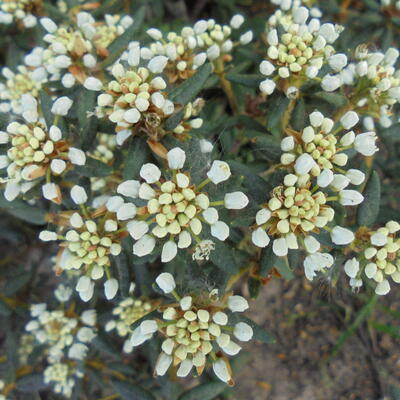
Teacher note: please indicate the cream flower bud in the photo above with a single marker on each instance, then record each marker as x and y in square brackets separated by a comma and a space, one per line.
[243, 331]
[50, 191]
[236, 200]
[330, 83]
[169, 251]
[246, 38]
[304, 164]
[260, 237]
[126, 211]
[58, 166]
[236, 21]
[311, 244]
[364, 143]
[349, 119]
[287, 143]
[382, 288]
[351, 267]
[280, 247]
[144, 246]
[221, 370]
[163, 363]
[213, 52]
[47, 236]
[267, 86]
[157, 64]
[341, 236]
[48, 24]
[348, 139]
[154, 33]
[176, 158]
[350, 197]
[93, 84]
[78, 194]
[104, 100]
[219, 172]
[370, 270]
[355, 176]
[61, 106]
[158, 83]
[150, 173]
[166, 282]
[325, 178]
[77, 156]
[316, 119]
[337, 62]
[266, 68]
[129, 188]
[237, 303]
[110, 288]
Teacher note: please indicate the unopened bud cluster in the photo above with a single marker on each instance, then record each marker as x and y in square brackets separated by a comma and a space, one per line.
[127, 312]
[194, 45]
[297, 49]
[34, 152]
[72, 53]
[25, 80]
[373, 82]
[193, 330]
[15, 11]
[66, 336]
[379, 260]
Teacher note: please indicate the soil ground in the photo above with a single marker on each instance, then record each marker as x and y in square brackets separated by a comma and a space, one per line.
[307, 321]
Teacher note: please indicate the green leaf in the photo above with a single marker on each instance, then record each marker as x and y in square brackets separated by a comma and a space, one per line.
[18, 208]
[120, 44]
[248, 80]
[4, 308]
[282, 266]
[15, 283]
[129, 391]
[138, 152]
[268, 259]
[93, 168]
[173, 121]
[45, 105]
[124, 280]
[31, 383]
[222, 257]
[368, 210]
[87, 125]
[189, 89]
[206, 391]
[102, 343]
[334, 99]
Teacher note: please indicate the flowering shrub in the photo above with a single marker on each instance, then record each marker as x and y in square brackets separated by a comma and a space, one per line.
[166, 163]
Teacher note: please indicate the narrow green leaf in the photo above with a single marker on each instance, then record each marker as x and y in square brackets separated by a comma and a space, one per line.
[16, 283]
[5, 310]
[138, 152]
[335, 99]
[31, 383]
[173, 121]
[223, 258]
[46, 104]
[105, 345]
[18, 208]
[360, 317]
[368, 210]
[248, 80]
[267, 261]
[206, 391]
[189, 89]
[93, 168]
[129, 391]
[282, 266]
[87, 124]
[124, 280]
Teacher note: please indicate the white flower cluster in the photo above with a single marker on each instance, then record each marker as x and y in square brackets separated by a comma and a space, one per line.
[373, 82]
[297, 50]
[14, 11]
[190, 49]
[89, 240]
[72, 54]
[379, 261]
[389, 3]
[25, 81]
[176, 207]
[316, 159]
[36, 151]
[136, 99]
[127, 312]
[66, 336]
[194, 329]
